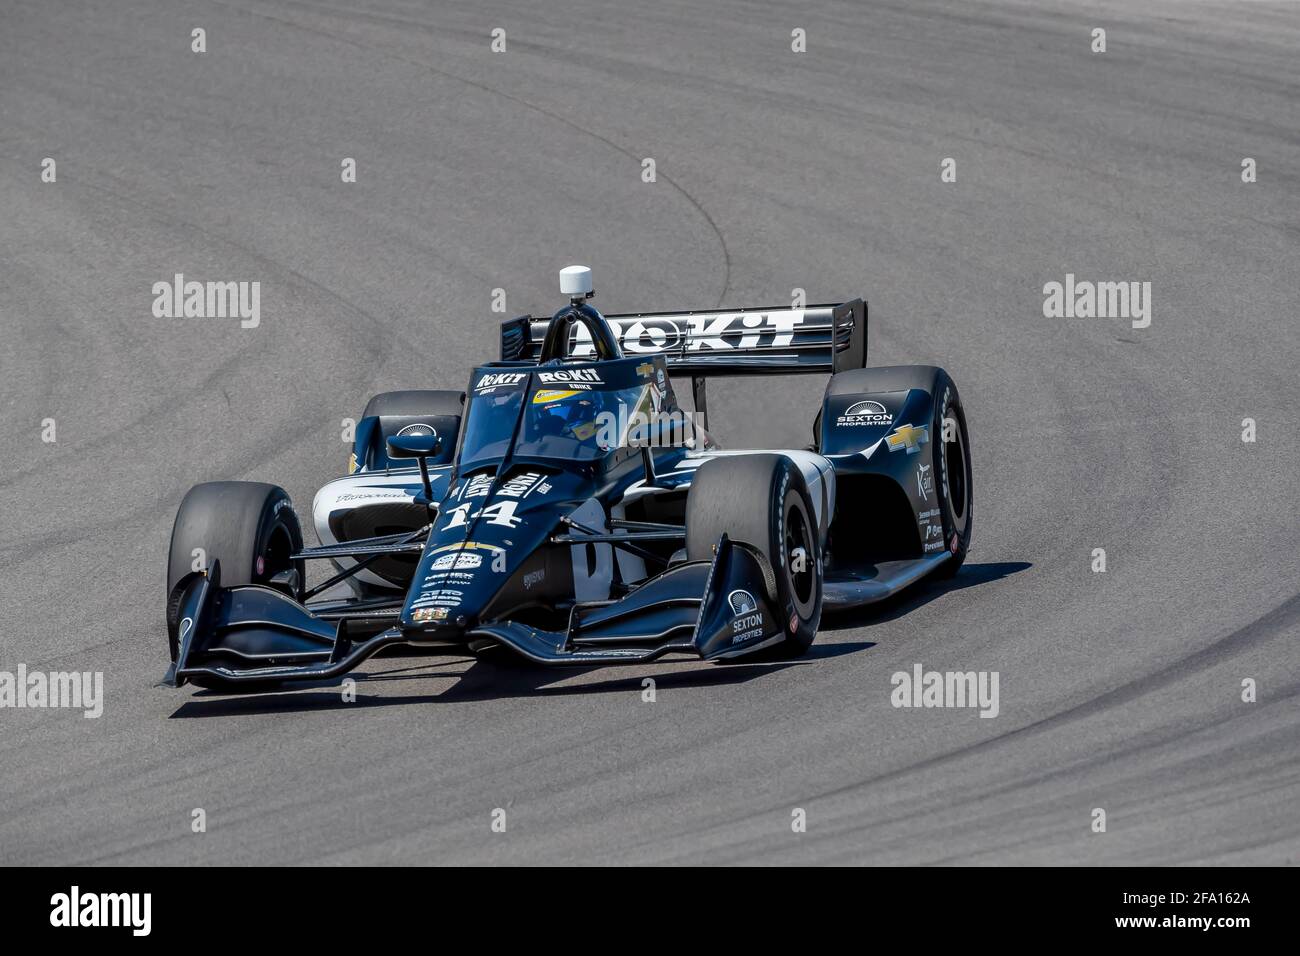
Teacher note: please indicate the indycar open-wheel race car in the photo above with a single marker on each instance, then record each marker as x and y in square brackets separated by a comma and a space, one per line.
[566, 508]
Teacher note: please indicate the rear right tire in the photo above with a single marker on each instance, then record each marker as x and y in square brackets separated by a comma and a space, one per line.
[439, 410]
[417, 401]
[952, 468]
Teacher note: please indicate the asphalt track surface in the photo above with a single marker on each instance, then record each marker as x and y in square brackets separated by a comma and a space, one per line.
[477, 170]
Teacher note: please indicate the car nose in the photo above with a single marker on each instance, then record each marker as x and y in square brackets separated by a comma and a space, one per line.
[436, 623]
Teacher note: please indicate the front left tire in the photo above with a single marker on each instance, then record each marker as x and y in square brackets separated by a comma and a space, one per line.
[762, 500]
[250, 529]
[248, 526]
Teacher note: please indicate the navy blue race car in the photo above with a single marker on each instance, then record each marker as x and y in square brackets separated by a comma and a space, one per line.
[566, 507]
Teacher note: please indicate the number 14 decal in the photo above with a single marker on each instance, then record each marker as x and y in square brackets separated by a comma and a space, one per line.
[502, 513]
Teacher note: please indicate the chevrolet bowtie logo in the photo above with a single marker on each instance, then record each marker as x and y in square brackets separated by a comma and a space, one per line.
[645, 369]
[909, 437]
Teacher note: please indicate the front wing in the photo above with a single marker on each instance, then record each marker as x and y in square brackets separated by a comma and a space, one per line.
[252, 633]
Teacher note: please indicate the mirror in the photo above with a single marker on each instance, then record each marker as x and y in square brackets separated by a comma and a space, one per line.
[413, 446]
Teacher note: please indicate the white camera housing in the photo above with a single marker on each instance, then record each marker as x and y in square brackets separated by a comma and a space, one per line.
[575, 281]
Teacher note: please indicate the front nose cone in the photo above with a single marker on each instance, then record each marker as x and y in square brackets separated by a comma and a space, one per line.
[425, 617]
[436, 624]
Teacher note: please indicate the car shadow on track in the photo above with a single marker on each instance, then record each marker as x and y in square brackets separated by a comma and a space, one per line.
[922, 593]
[495, 675]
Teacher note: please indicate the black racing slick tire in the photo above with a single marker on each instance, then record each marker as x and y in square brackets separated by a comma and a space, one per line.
[414, 409]
[951, 450]
[762, 501]
[248, 526]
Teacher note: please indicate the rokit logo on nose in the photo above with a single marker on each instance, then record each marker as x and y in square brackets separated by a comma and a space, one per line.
[76, 909]
[574, 378]
[577, 377]
[493, 380]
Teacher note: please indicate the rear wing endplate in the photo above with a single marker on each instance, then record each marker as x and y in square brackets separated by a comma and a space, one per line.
[776, 341]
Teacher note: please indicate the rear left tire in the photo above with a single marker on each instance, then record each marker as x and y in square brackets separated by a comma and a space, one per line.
[951, 450]
[439, 410]
[762, 501]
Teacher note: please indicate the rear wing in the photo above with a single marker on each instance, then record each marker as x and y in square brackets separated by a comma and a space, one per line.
[777, 341]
